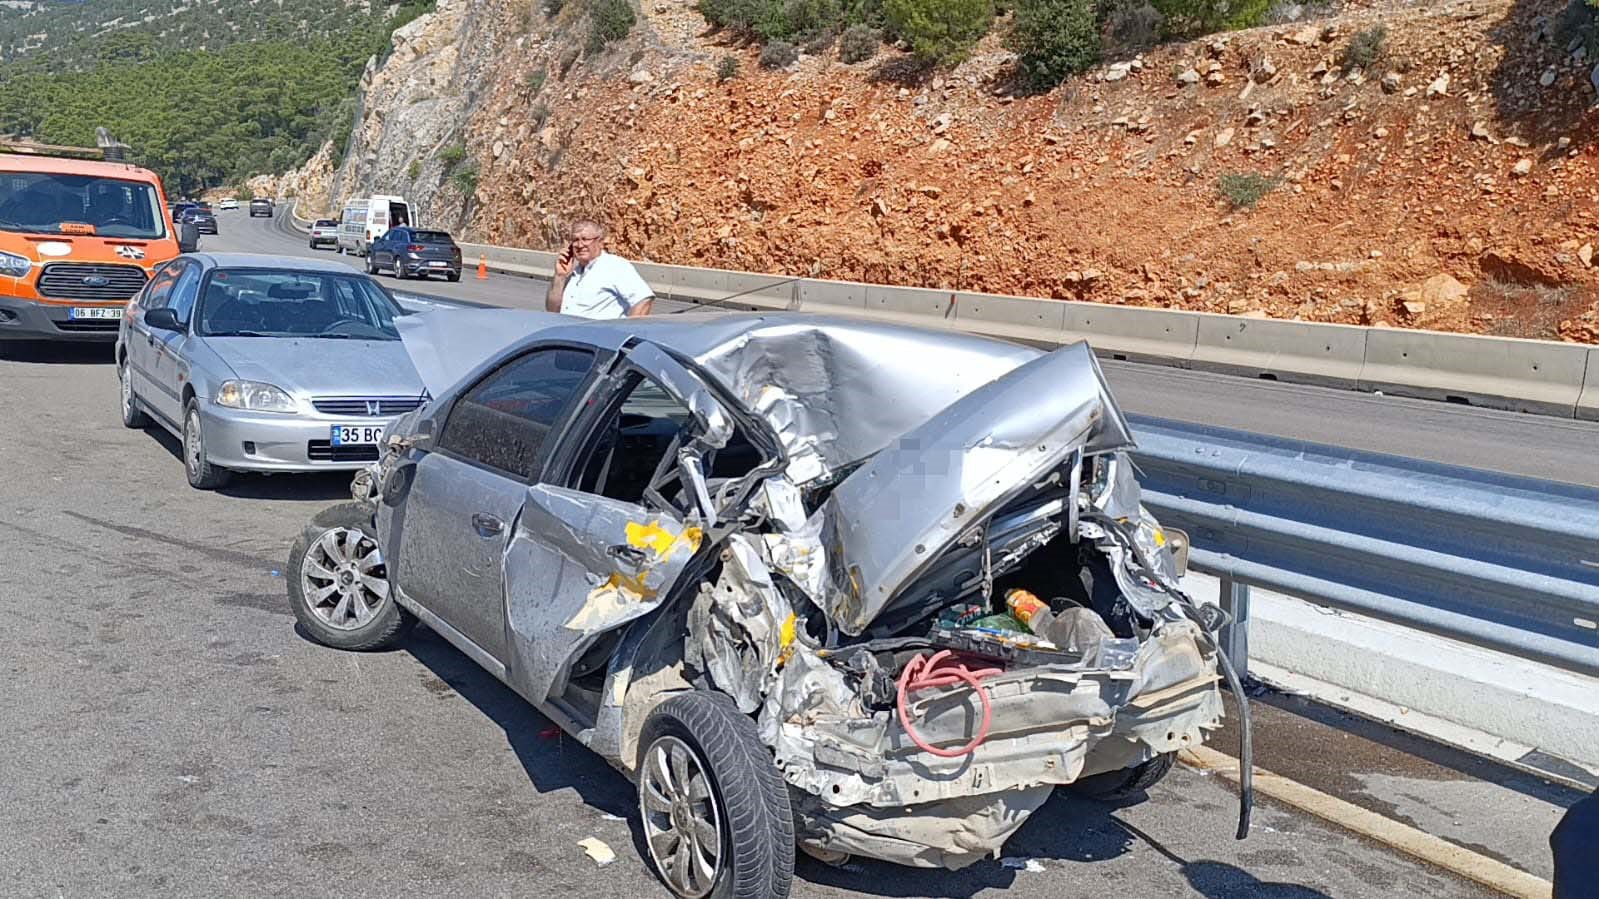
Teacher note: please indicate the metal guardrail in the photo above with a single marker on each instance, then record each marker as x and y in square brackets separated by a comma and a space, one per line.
[1507, 563]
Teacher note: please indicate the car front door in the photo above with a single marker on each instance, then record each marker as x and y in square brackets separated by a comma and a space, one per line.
[606, 535]
[466, 494]
[142, 339]
[170, 368]
[392, 242]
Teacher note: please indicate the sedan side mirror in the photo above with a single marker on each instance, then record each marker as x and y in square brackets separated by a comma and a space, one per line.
[162, 319]
[188, 237]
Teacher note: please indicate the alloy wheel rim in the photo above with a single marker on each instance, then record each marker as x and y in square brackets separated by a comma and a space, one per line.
[682, 818]
[344, 579]
[193, 443]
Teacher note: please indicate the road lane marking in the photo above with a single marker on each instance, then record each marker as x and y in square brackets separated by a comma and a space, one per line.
[1419, 844]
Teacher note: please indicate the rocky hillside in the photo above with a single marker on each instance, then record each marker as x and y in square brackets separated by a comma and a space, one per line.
[1446, 179]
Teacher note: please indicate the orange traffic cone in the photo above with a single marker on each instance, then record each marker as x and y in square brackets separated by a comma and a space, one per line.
[482, 268]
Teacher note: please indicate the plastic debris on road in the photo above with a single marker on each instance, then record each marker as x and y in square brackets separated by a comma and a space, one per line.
[1030, 865]
[597, 850]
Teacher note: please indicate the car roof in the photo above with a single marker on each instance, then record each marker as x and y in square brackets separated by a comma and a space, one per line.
[57, 165]
[261, 260]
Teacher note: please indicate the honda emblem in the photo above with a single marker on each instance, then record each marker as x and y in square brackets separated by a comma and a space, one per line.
[373, 407]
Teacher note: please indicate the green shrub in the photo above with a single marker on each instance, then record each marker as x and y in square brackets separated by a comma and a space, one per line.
[1191, 18]
[1365, 48]
[465, 179]
[940, 31]
[415, 169]
[1133, 23]
[452, 154]
[609, 21]
[535, 82]
[726, 68]
[1054, 39]
[858, 44]
[1244, 189]
[779, 55]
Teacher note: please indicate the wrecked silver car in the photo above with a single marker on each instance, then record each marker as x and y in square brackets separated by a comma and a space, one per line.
[868, 589]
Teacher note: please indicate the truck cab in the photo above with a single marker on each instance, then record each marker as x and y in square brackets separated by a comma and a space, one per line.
[78, 238]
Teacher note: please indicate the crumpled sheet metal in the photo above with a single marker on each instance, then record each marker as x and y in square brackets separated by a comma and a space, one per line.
[837, 391]
[737, 625]
[950, 835]
[897, 512]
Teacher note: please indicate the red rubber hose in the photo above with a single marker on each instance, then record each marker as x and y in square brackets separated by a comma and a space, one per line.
[923, 673]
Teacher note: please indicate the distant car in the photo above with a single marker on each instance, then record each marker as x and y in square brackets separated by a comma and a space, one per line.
[228, 204]
[178, 209]
[324, 231]
[203, 219]
[415, 253]
[260, 206]
[262, 363]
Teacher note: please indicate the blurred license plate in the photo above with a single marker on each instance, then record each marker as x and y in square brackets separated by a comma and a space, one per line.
[356, 435]
[95, 312]
[437, 264]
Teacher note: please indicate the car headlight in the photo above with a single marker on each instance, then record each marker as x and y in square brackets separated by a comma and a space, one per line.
[13, 266]
[255, 397]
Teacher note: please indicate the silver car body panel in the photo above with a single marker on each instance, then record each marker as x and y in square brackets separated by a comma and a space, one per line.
[929, 449]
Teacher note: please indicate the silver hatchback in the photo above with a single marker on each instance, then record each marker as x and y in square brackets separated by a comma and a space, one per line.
[264, 364]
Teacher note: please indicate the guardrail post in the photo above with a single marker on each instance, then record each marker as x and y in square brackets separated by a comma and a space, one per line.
[1235, 636]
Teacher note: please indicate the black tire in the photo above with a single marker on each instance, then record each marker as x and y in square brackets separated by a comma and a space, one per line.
[388, 623]
[133, 417]
[201, 473]
[371, 265]
[1126, 783]
[756, 860]
[399, 270]
[453, 276]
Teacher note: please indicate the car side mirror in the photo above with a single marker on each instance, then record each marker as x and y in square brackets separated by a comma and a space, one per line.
[162, 319]
[188, 237]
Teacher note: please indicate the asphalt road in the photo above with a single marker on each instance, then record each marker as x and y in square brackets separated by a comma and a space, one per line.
[1513, 443]
[166, 731]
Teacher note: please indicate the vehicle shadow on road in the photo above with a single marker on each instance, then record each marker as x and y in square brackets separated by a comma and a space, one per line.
[56, 353]
[330, 486]
[553, 760]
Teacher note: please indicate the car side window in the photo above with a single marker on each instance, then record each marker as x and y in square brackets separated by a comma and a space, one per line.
[184, 293]
[505, 421]
[160, 290]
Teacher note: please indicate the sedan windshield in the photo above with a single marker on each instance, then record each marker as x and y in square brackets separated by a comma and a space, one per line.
[279, 303]
[48, 203]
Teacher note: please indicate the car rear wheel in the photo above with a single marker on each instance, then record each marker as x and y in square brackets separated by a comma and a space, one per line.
[339, 583]
[132, 416]
[454, 276]
[717, 820]
[202, 474]
[1126, 783]
[399, 270]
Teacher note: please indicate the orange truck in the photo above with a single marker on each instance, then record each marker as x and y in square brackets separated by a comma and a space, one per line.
[78, 238]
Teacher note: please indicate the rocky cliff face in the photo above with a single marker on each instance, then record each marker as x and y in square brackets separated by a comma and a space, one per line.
[1252, 173]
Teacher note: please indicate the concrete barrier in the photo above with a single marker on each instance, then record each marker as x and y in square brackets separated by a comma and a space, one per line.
[1497, 372]
[1588, 400]
[817, 295]
[1162, 336]
[1303, 352]
[1018, 318]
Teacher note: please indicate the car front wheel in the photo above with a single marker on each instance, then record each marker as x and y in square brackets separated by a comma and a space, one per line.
[716, 813]
[339, 583]
[132, 416]
[1114, 786]
[202, 474]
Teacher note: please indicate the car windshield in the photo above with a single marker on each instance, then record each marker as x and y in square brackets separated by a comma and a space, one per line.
[325, 223]
[286, 303]
[51, 203]
[431, 237]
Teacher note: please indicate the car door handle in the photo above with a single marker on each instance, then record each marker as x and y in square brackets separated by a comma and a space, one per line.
[487, 525]
[632, 555]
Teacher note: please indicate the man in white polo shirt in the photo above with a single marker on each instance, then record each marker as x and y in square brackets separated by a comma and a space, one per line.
[591, 283]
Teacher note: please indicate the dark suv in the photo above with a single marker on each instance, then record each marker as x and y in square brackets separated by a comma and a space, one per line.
[260, 206]
[204, 220]
[415, 253]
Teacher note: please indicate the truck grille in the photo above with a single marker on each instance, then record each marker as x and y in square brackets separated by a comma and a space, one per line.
[83, 281]
[93, 324]
[324, 451]
[366, 405]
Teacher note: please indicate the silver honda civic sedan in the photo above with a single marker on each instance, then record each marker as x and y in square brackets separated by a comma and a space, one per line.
[264, 364]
